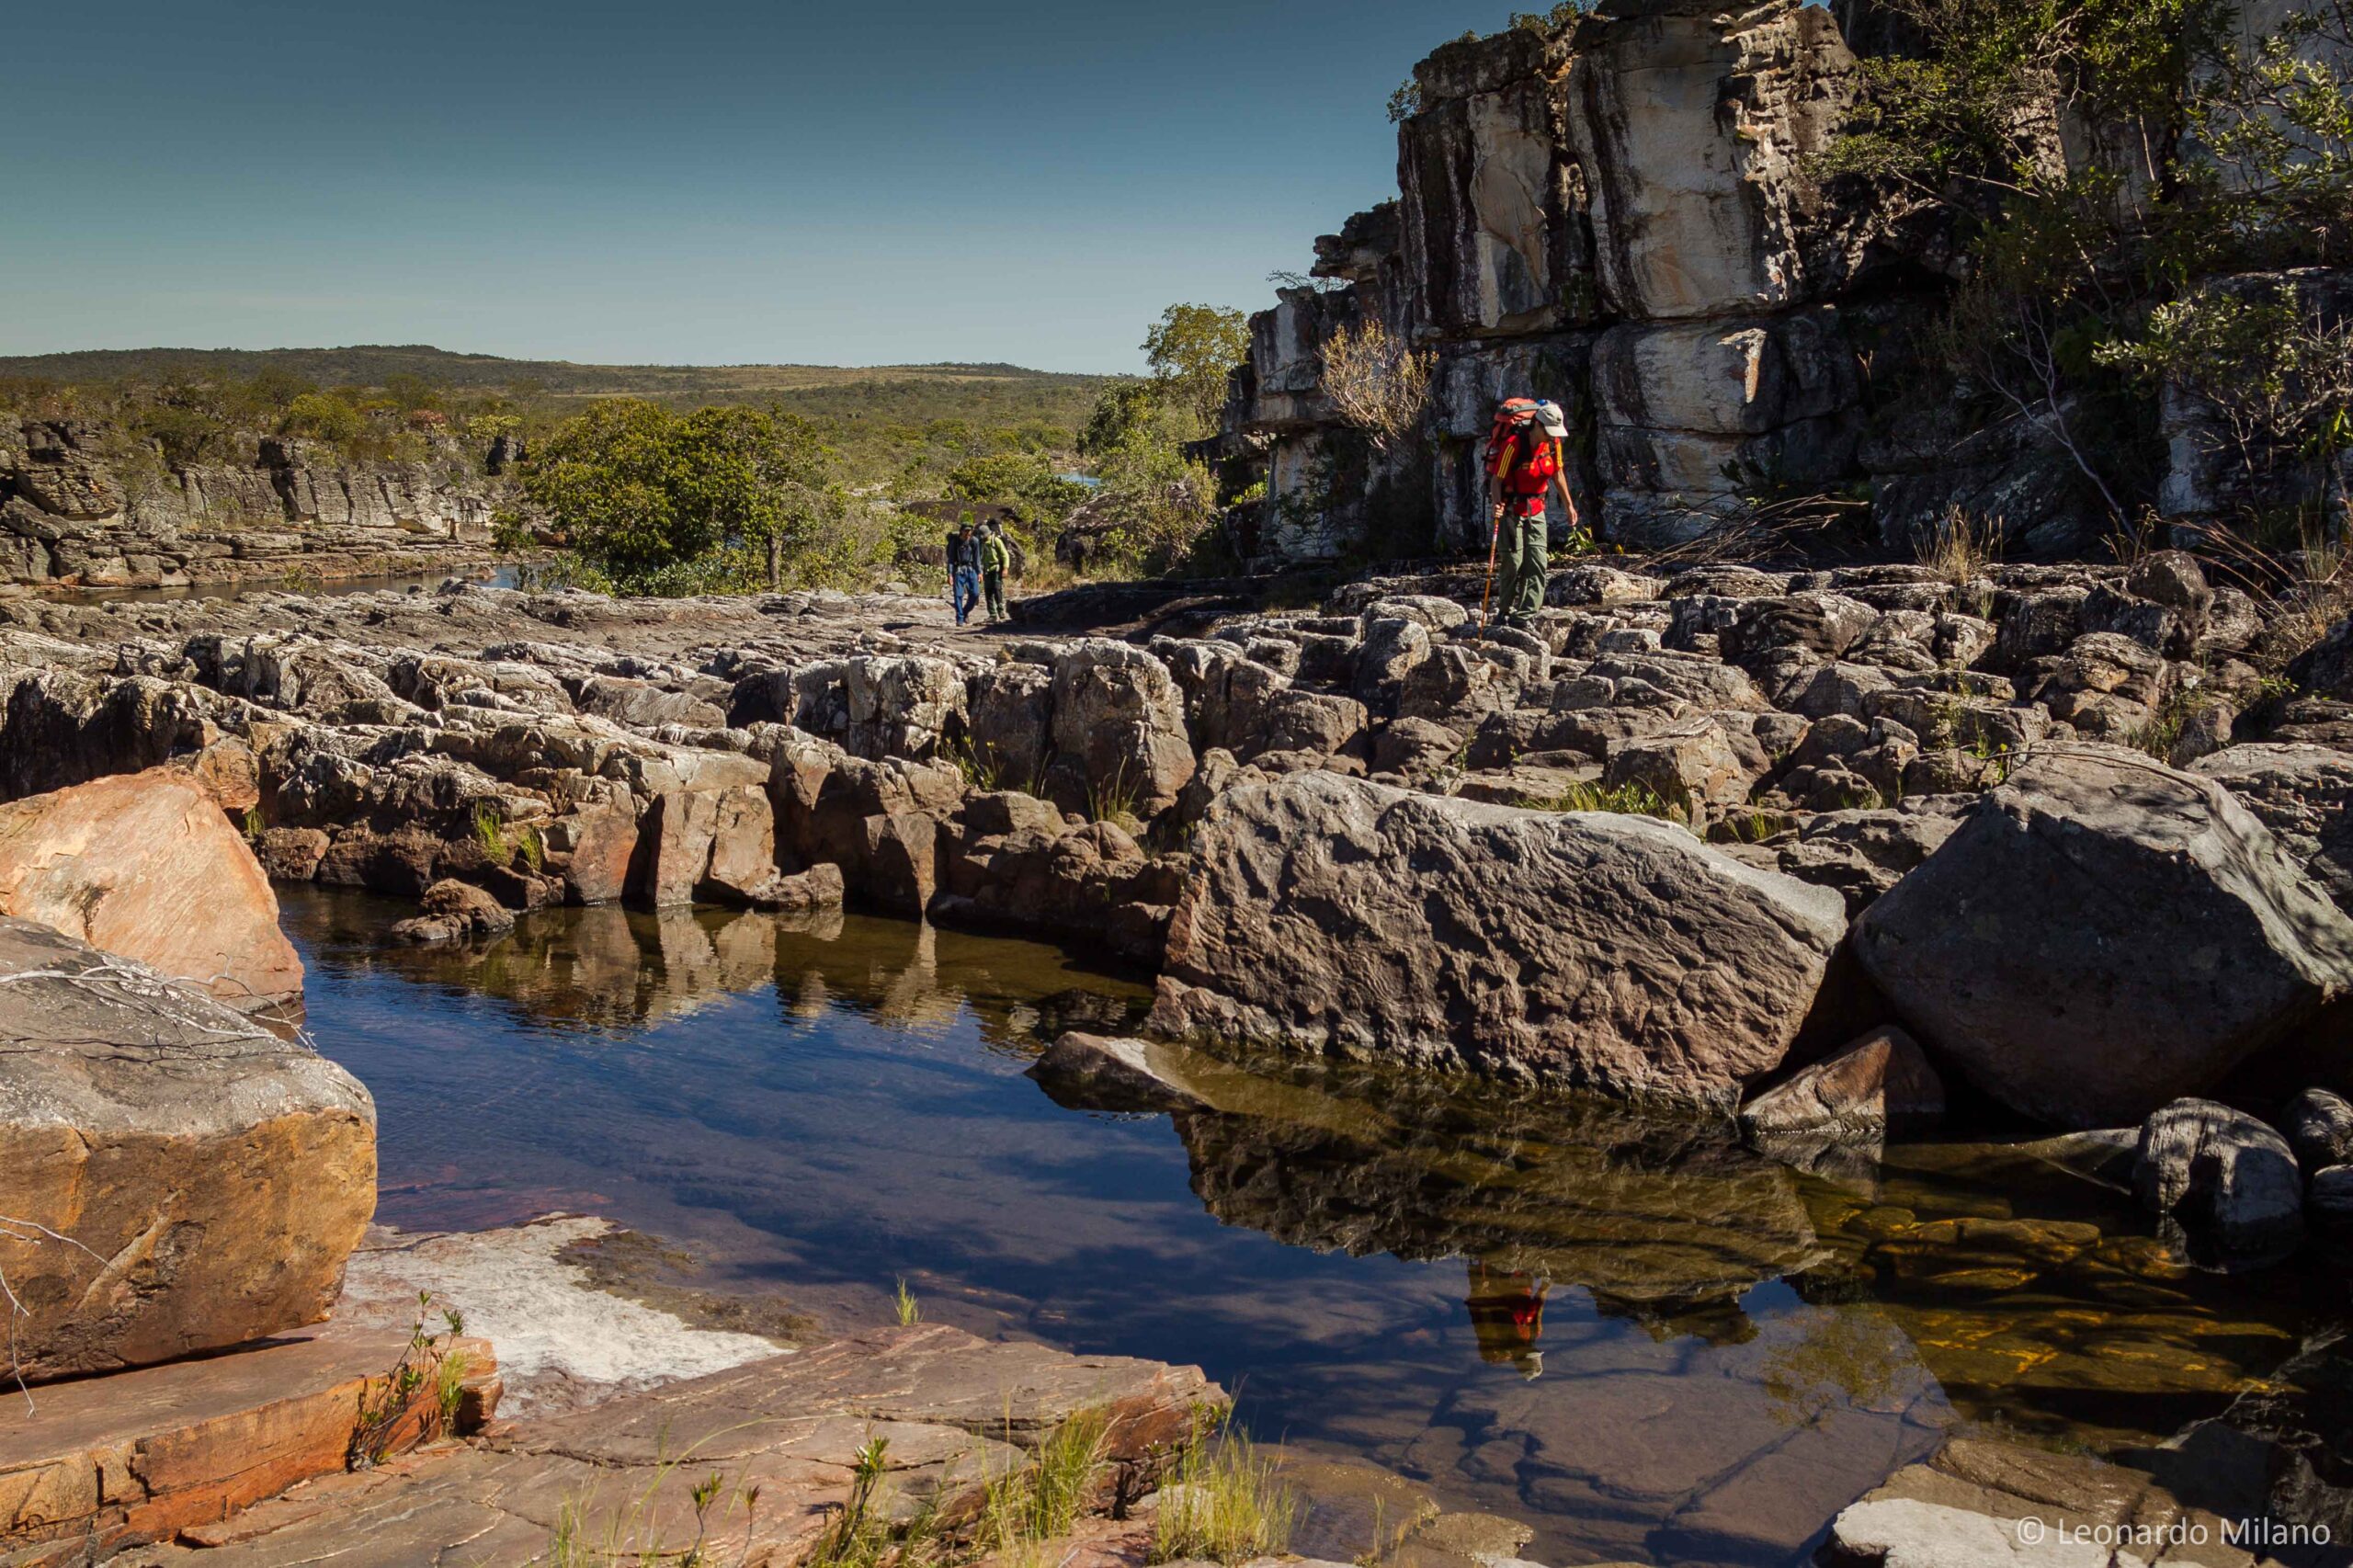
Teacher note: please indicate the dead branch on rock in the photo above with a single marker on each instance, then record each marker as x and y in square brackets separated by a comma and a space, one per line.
[32, 1233]
[113, 980]
[1377, 381]
[1761, 530]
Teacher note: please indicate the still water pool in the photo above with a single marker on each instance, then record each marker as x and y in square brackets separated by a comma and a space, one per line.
[1633, 1336]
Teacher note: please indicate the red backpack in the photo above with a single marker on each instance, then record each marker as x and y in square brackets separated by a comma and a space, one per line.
[1518, 451]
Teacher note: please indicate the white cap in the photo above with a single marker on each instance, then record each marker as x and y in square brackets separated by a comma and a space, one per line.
[1548, 415]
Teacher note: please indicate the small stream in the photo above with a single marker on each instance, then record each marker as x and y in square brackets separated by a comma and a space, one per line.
[1633, 1336]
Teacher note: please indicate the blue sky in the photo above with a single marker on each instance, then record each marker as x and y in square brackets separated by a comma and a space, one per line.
[685, 183]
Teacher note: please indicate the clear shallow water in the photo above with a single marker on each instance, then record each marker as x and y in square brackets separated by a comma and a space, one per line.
[1726, 1352]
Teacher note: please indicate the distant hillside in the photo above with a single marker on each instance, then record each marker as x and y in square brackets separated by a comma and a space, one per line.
[904, 425]
[371, 365]
[883, 420]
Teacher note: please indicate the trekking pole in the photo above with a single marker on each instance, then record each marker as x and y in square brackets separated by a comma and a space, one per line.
[1495, 537]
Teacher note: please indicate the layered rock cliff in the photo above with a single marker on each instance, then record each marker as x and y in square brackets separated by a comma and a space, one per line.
[80, 505]
[1622, 213]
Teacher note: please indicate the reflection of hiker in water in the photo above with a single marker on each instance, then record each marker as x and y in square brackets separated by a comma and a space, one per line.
[1507, 1315]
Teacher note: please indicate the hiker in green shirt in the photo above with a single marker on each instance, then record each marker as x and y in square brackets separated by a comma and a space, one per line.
[995, 557]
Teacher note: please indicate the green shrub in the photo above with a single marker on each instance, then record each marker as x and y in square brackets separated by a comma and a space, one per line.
[1631, 800]
[320, 418]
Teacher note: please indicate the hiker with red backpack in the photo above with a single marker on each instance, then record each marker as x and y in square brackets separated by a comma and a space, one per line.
[1523, 467]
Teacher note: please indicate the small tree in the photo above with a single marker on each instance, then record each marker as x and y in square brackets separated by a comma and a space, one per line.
[640, 490]
[2276, 377]
[613, 480]
[1191, 350]
[1024, 482]
[1123, 410]
[760, 476]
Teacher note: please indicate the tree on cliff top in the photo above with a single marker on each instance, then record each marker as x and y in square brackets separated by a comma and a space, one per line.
[1191, 350]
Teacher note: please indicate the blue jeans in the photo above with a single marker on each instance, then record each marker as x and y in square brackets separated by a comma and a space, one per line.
[966, 592]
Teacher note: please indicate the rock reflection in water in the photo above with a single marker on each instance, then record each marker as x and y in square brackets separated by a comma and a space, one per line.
[2047, 1304]
[1667, 1224]
[624, 970]
[2032, 1298]
[1729, 1350]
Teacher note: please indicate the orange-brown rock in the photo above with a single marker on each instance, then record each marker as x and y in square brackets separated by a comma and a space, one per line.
[143, 1455]
[782, 1436]
[173, 1178]
[145, 865]
[227, 771]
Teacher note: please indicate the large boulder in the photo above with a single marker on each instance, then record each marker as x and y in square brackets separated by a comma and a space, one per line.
[2301, 793]
[453, 911]
[1010, 714]
[1119, 727]
[2104, 935]
[878, 706]
[1091, 1072]
[676, 836]
[174, 1178]
[145, 865]
[1615, 952]
[743, 867]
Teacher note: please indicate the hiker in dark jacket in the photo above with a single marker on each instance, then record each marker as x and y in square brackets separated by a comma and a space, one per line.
[963, 569]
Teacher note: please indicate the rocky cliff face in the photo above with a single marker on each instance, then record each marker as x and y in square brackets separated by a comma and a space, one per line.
[1621, 214]
[83, 505]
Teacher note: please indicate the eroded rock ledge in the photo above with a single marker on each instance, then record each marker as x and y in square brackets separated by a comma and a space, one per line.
[82, 505]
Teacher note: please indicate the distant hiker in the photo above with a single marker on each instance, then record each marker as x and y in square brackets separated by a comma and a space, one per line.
[997, 558]
[963, 569]
[1523, 466]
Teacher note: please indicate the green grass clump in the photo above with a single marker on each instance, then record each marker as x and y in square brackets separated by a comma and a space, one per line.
[1026, 1508]
[1223, 1501]
[634, 1536]
[1629, 800]
[490, 831]
[1115, 803]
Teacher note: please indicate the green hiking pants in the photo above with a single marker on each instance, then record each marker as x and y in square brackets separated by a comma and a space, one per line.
[1521, 560]
[993, 589]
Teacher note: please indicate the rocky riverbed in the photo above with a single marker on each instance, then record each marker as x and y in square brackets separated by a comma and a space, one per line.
[1355, 829]
[1907, 863]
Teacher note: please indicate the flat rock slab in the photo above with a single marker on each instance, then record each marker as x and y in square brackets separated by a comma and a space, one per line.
[562, 1342]
[1988, 1503]
[1585, 949]
[954, 1409]
[138, 1456]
